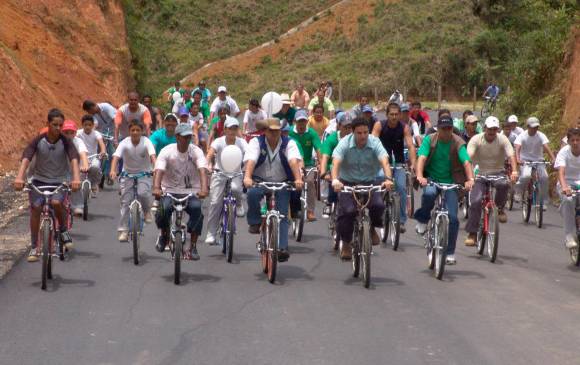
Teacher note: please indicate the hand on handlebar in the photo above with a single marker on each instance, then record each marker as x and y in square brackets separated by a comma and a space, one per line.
[388, 184]
[18, 184]
[75, 185]
[156, 191]
[337, 185]
[422, 181]
[469, 185]
[113, 175]
[248, 182]
[299, 184]
[202, 193]
[514, 176]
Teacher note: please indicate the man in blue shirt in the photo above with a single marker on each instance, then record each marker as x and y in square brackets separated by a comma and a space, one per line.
[492, 91]
[166, 135]
[205, 93]
[355, 161]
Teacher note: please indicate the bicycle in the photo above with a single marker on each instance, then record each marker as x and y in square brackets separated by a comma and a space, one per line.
[465, 204]
[575, 251]
[488, 232]
[177, 233]
[511, 191]
[410, 193]
[488, 106]
[530, 195]
[298, 222]
[49, 231]
[437, 233]
[227, 229]
[361, 243]
[270, 228]
[392, 215]
[136, 214]
[86, 188]
[106, 165]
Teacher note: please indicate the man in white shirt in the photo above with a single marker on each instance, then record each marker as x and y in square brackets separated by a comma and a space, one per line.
[273, 158]
[568, 166]
[253, 115]
[512, 120]
[530, 147]
[180, 170]
[224, 99]
[69, 130]
[138, 154]
[104, 114]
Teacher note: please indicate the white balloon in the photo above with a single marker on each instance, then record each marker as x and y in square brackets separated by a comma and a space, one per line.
[271, 103]
[231, 158]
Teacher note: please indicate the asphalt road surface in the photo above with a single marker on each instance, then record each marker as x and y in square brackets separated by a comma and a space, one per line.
[101, 309]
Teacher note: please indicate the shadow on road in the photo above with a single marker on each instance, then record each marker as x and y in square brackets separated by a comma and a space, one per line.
[80, 236]
[145, 258]
[189, 278]
[300, 249]
[97, 217]
[451, 275]
[57, 280]
[286, 273]
[375, 282]
[84, 254]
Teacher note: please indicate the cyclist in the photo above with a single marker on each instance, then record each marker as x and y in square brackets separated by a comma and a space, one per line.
[93, 140]
[154, 111]
[308, 139]
[411, 123]
[56, 159]
[460, 123]
[356, 160]
[166, 135]
[183, 114]
[568, 165]
[396, 97]
[317, 121]
[489, 150]
[530, 146]
[184, 101]
[470, 127]
[69, 130]
[357, 109]
[492, 92]
[138, 154]
[104, 114]
[512, 120]
[128, 112]
[253, 115]
[321, 99]
[203, 105]
[344, 121]
[205, 92]
[421, 117]
[287, 112]
[180, 170]
[394, 135]
[218, 182]
[300, 98]
[216, 127]
[223, 99]
[197, 124]
[174, 93]
[442, 158]
[564, 141]
[370, 116]
[273, 158]
[507, 131]
[328, 91]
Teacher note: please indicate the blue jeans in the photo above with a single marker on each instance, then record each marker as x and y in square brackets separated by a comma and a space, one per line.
[192, 208]
[254, 216]
[400, 178]
[423, 214]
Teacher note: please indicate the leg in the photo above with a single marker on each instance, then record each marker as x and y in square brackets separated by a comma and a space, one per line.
[311, 195]
[255, 196]
[163, 221]
[77, 200]
[524, 180]
[144, 192]
[451, 200]
[501, 193]
[423, 214]
[216, 195]
[195, 222]
[401, 184]
[346, 213]
[34, 225]
[282, 201]
[95, 173]
[376, 210]
[475, 198]
[125, 185]
[544, 183]
[568, 212]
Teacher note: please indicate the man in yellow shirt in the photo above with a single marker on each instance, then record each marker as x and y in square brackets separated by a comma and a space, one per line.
[317, 120]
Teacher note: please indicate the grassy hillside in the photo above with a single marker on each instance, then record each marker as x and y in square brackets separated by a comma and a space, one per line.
[170, 38]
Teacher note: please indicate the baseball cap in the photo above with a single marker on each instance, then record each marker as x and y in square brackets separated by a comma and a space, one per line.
[286, 127]
[367, 109]
[183, 129]
[343, 119]
[491, 122]
[405, 107]
[301, 115]
[445, 121]
[183, 111]
[533, 122]
[274, 123]
[231, 122]
[222, 89]
[69, 125]
[471, 119]
[285, 99]
[512, 119]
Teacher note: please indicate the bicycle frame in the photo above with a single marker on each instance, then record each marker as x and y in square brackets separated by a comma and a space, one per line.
[229, 201]
[178, 208]
[135, 201]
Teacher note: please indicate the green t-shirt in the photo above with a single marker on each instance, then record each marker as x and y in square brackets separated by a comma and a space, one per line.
[159, 139]
[203, 109]
[439, 168]
[328, 147]
[309, 140]
[459, 124]
[289, 115]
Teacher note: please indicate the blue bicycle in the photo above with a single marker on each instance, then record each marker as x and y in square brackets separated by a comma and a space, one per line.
[106, 163]
[227, 228]
[136, 214]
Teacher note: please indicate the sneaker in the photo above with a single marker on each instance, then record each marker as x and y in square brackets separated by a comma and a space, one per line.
[210, 239]
[193, 255]
[283, 255]
[375, 239]
[66, 240]
[346, 251]
[420, 228]
[470, 240]
[501, 216]
[402, 228]
[326, 212]
[571, 241]
[32, 255]
[160, 244]
[254, 228]
[94, 192]
[148, 217]
[78, 212]
[240, 211]
[450, 260]
[123, 236]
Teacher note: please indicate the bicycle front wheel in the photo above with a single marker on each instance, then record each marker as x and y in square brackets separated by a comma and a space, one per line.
[395, 223]
[273, 239]
[366, 253]
[356, 247]
[510, 200]
[229, 236]
[481, 233]
[263, 247]
[410, 198]
[539, 210]
[526, 205]
[177, 254]
[441, 237]
[492, 234]
[86, 192]
[135, 223]
[46, 234]
[299, 226]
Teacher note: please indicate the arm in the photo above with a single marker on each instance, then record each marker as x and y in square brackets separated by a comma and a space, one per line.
[411, 147]
[147, 122]
[113, 172]
[19, 180]
[336, 184]
[376, 129]
[118, 121]
[210, 158]
[323, 164]
[248, 181]
[157, 183]
[518, 149]
[419, 170]
[84, 167]
[203, 181]
[469, 173]
[75, 183]
[102, 147]
[153, 159]
[388, 184]
[562, 180]
[549, 152]
[297, 172]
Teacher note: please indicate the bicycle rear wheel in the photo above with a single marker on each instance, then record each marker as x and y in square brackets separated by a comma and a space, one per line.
[229, 236]
[410, 198]
[387, 221]
[485, 110]
[539, 213]
[465, 207]
[575, 252]
[264, 247]
[526, 205]
[86, 192]
[492, 234]
[366, 253]
[395, 230]
[177, 254]
[430, 238]
[135, 223]
[272, 250]
[299, 224]
[510, 200]
[356, 244]
[46, 236]
[441, 237]
[481, 234]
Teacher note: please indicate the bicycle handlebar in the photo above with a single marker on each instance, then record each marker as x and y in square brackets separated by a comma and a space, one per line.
[444, 186]
[535, 163]
[274, 186]
[137, 175]
[179, 200]
[491, 178]
[40, 190]
[362, 189]
[228, 175]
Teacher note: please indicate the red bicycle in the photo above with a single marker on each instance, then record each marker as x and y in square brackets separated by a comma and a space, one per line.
[488, 233]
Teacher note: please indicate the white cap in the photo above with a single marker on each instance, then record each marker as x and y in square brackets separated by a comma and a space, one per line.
[491, 122]
[222, 89]
[285, 99]
[512, 119]
[231, 122]
[533, 122]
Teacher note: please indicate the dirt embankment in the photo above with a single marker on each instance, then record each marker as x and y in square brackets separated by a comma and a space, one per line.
[56, 53]
[572, 89]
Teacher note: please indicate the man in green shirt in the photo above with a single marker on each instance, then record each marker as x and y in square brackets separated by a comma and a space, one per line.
[166, 135]
[308, 139]
[287, 112]
[442, 158]
[459, 124]
[203, 105]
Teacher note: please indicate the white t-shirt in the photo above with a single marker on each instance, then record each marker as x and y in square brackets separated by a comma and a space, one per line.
[272, 169]
[176, 96]
[136, 159]
[219, 144]
[105, 119]
[90, 140]
[197, 119]
[332, 125]
[518, 130]
[250, 120]
[80, 145]
[532, 146]
[566, 158]
[181, 169]
[217, 103]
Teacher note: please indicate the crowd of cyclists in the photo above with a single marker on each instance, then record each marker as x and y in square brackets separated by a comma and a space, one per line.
[180, 153]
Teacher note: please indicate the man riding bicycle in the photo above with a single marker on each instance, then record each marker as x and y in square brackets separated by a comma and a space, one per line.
[568, 166]
[128, 112]
[442, 158]
[166, 135]
[180, 170]
[104, 114]
[489, 150]
[272, 158]
[492, 92]
[356, 160]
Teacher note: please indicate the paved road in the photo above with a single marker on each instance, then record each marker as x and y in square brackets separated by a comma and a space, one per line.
[101, 309]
